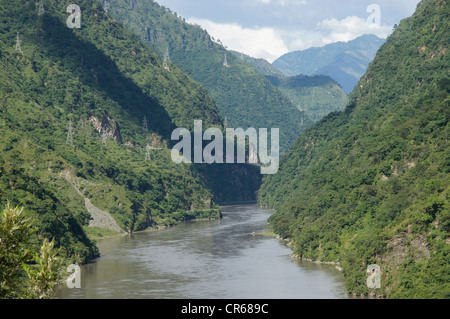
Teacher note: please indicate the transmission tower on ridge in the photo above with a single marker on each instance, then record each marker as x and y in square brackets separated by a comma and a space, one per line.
[69, 140]
[225, 61]
[145, 124]
[18, 48]
[166, 58]
[41, 10]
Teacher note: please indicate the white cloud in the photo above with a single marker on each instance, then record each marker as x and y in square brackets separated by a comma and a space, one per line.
[270, 43]
[258, 42]
[350, 28]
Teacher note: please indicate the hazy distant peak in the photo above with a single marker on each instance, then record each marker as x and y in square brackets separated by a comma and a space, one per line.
[345, 62]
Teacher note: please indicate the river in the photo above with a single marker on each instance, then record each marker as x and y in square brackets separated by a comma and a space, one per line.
[214, 259]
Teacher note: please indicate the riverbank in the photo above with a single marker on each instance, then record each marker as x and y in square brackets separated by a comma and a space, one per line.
[97, 233]
[297, 257]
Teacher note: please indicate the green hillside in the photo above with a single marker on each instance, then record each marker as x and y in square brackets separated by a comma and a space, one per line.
[371, 185]
[243, 95]
[103, 80]
[261, 65]
[317, 96]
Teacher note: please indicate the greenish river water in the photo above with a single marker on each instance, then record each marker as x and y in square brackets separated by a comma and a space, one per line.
[215, 259]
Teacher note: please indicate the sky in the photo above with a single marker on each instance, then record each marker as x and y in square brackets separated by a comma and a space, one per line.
[270, 28]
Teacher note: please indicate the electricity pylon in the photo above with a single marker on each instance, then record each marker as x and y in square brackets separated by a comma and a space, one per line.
[225, 61]
[18, 48]
[41, 10]
[166, 58]
[69, 140]
[145, 124]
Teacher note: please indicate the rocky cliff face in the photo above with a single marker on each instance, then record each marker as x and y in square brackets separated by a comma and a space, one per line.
[107, 126]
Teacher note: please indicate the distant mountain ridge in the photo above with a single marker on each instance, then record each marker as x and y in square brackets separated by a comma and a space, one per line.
[263, 66]
[345, 62]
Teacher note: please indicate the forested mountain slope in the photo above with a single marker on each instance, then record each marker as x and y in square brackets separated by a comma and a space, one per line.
[98, 82]
[371, 185]
[317, 96]
[262, 66]
[243, 95]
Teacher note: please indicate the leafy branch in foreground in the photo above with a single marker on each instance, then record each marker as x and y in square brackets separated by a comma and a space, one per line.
[46, 275]
[15, 231]
[18, 277]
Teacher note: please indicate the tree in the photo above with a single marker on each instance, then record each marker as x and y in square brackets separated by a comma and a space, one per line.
[46, 275]
[15, 231]
[19, 278]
